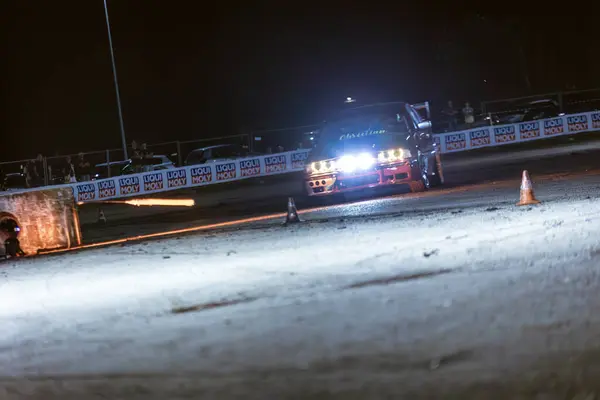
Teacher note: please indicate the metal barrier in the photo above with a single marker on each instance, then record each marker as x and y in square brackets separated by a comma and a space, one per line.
[53, 170]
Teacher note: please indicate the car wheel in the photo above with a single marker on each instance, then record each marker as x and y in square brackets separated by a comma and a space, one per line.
[426, 181]
[417, 186]
[437, 178]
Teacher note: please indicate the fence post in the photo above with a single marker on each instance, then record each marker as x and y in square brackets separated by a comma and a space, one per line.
[560, 102]
[45, 167]
[179, 156]
[108, 162]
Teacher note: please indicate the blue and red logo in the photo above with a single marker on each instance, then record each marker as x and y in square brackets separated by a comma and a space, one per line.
[176, 178]
[577, 123]
[529, 130]
[298, 159]
[106, 189]
[86, 192]
[225, 171]
[153, 182]
[250, 167]
[201, 175]
[129, 185]
[480, 137]
[554, 126]
[596, 120]
[275, 164]
[455, 141]
[505, 134]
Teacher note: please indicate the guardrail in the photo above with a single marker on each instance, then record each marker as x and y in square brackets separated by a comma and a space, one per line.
[498, 135]
[192, 176]
[274, 164]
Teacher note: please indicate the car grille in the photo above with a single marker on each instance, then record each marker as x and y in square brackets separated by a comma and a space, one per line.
[349, 182]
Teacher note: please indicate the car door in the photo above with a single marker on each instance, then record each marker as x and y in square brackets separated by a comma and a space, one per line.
[422, 130]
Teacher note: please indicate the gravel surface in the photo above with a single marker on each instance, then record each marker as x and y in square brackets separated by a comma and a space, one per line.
[466, 296]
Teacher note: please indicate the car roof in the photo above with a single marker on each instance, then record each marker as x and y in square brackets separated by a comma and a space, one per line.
[217, 146]
[374, 105]
[113, 163]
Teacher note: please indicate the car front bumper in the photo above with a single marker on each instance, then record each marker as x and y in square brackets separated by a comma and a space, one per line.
[402, 173]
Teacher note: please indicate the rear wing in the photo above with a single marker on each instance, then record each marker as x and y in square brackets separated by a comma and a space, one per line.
[423, 109]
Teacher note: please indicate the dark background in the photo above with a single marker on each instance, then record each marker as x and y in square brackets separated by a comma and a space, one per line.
[190, 70]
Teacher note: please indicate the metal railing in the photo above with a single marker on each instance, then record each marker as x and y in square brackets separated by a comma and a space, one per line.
[53, 170]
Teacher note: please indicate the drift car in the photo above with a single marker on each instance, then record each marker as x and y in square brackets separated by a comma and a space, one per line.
[374, 146]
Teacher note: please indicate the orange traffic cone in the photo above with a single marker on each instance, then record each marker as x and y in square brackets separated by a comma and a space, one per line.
[527, 197]
[292, 212]
[101, 217]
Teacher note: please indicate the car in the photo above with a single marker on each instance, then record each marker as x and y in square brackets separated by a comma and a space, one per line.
[116, 168]
[531, 111]
[374, 146]
[147, 164]
[132, 166]
[215, 153]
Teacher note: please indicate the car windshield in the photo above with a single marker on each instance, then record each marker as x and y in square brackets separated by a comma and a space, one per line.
[362, 129]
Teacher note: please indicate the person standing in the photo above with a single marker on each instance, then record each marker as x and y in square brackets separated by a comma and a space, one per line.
[450, 113]
[69, 170]
[469, 114]
[84, 169]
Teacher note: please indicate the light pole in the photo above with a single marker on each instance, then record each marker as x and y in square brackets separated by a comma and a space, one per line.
[114, 69]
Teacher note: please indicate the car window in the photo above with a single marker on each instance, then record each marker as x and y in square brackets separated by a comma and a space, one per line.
[224, 152]
[195, 157]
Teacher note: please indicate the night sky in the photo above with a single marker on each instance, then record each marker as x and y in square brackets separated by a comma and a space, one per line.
[191, 70]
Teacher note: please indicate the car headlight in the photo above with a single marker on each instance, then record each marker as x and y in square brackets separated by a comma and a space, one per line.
[321, 167]
[393, 155]
[361, 161]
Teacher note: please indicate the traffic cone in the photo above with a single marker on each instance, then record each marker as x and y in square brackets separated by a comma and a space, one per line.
[101, 217]
[527, 197]
[292, 212]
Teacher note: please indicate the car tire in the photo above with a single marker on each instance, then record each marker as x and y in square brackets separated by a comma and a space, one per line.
[417, 186]
[437, 178]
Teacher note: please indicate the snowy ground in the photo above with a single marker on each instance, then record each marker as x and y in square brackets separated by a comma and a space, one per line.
[492, 301]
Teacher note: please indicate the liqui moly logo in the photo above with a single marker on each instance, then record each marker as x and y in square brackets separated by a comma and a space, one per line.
[225, 171]
[596, 120]
[86, 192]
[480, 137]
[176, 178]
[529, 130]
[553, 126]
[298, 159]
[250, 167]
[201, 175]
[129, 185]
[153, 182]
[275, 164]
[505, 134]
[577, 123]
[455, 141]
[106, 189]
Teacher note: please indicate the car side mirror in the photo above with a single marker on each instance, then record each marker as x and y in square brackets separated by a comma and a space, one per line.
[424, 125]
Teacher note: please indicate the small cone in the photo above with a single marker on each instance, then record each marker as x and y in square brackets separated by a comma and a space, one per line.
[101, 217]
[527, 197]
[292, 212]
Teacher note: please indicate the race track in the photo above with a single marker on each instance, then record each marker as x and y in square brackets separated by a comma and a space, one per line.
[452, 293]
[471, 178]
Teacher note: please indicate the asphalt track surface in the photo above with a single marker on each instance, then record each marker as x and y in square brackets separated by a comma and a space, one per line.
[454, 293]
